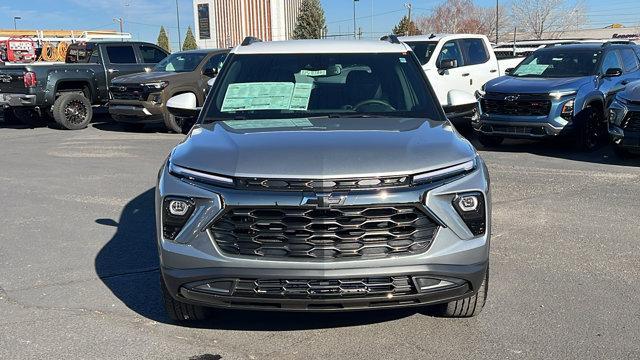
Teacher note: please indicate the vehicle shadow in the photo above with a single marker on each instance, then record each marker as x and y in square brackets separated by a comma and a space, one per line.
[128, 266]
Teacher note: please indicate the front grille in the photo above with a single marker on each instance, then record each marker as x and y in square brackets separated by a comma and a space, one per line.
[325, 185]
[631, 122]
[518, 130]
[324, 234]
[326, 288]
[521, 105]
[128, 92]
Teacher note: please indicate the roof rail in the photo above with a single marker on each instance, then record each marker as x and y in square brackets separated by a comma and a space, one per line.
[391, 38]
[562, 43]
[616, 42]
[250, 40]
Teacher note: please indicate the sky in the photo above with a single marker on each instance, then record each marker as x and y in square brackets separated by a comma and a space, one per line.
[143, 18]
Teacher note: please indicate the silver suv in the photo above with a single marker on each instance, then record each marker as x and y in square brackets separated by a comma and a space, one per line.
[322, 176]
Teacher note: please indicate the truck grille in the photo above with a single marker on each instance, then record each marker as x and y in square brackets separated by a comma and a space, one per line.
[522, 105]
[128, 92]
[325, 288]
[324, 234]
[632, 122]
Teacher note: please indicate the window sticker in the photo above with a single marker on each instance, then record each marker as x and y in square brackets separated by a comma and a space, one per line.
[531, 69]
[313, 72]
[267, 96]
[402, 60]
[268, 123]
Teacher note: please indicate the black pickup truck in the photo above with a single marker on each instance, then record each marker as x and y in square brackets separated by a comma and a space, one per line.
[67, 92]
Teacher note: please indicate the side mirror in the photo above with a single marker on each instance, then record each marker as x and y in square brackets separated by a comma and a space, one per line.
[613, 72]
[448, 64]
[456, 100]
[183, 105]
[212, 72]
[508, 71]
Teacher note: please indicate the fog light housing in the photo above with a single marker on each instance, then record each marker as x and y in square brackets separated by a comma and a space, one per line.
[567, 110]
[471, 208]
[176, 212]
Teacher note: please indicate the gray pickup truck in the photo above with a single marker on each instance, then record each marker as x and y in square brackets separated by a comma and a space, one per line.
[67, 91]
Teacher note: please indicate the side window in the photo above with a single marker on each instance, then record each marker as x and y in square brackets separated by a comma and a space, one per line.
[451, 51]
[475, 50]
[95, 56]
[610, 61]
[629, 60]
[121, 54]
[215, 62]
[151, 55]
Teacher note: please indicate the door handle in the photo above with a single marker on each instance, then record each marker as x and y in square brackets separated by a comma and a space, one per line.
[493, 70]
[465, 74]
[113, 70]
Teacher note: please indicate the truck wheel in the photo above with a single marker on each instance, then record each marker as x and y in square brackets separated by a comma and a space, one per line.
[589, 129]
[72, 111]
[28, 116]
[469, 306]
[490, 141]
[177, 124]
[179, 311]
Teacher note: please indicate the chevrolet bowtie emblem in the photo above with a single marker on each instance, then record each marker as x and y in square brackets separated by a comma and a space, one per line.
[323, 200]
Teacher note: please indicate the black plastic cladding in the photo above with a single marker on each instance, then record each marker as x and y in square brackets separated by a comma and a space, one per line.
[171, 224]
[475, 220]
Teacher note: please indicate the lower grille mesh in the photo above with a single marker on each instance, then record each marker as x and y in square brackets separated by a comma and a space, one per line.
[345, 232]
[632, 122]
[331, 288]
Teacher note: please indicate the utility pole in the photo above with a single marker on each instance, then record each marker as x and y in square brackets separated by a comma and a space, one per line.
[497, 19]
[15, 25]
[179, 36]
[408, 6]
[120, 21]
[355, 29]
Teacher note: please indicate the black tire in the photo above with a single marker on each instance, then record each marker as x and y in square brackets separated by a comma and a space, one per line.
[490, 141]
[72, 111]
[28, 116]
[469, 306]
[179, 311]
[590, 129]
[621, 152]
[177, 124]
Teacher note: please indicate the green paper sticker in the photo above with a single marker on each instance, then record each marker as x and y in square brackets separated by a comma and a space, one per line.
[267, 123]
[267, 96]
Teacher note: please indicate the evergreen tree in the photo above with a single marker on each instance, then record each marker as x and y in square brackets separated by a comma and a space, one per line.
[406, 27]
[189, 41]
[310, 23]
[163, 39]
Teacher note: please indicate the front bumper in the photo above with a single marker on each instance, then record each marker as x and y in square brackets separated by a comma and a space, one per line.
[455, 253]
[462, 281]
[137, 111]
[15, 100]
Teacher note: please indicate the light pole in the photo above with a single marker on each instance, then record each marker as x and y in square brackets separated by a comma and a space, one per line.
[408, 6]
[120, 21]
[497, 20]
[179, 36]
[355, 31]
[15, 18]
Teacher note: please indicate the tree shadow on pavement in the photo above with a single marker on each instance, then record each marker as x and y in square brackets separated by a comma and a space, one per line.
[128, 266]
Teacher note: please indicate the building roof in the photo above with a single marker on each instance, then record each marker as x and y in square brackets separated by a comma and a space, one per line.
[321, 47]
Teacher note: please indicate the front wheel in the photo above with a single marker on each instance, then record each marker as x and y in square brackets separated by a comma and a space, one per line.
[590, 129]
[179, 311]
[469, 306]
[72, 111]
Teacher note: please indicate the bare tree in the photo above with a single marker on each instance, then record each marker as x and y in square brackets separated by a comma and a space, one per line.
[463, 16]
[548, 18]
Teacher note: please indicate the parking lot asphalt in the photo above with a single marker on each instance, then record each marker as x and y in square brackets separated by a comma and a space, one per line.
[79, 268]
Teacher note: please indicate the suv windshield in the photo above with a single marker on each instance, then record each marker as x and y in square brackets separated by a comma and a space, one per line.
[310, 85]
[180, 62]
[422, 49]
[558, 62]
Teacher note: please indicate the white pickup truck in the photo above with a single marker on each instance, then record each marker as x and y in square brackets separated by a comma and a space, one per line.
[457, 66]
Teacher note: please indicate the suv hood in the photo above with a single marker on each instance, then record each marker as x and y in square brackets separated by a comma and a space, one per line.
[631, 92]
[143, 77]
[522, 85]
[322, 148]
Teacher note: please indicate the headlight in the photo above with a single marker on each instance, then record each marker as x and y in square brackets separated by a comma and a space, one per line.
[199, 176]
[470, 206]
[444, 173]
[567, 109]
[176, 211]
[157, 85]
[561, 93]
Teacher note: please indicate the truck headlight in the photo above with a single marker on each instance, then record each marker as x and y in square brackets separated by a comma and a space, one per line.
[567, 109]
[176, 211]
[156, 85]
[471, 208]
[445, 173]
